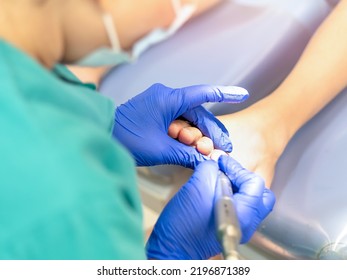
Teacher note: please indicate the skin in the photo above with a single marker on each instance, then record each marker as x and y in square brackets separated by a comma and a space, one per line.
[183, 132]
[134, 31]
[261, 132]
[56, 29]
[46, 36]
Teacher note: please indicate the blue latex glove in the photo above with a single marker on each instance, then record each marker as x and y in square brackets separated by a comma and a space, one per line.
[186, 228]
[142, 123]
[253, 201]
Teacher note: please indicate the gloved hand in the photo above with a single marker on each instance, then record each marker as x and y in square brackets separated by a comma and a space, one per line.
[142, 123]
[252, 200]
[186, 228]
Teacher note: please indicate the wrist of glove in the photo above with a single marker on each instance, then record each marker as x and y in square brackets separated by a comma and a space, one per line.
[186, 228]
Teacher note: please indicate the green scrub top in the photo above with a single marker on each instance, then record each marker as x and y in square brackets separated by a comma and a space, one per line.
[67, 189]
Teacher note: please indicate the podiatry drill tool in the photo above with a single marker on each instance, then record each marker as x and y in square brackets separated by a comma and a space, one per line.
[227, 224]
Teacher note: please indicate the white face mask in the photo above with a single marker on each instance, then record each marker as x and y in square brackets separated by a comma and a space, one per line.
[106, 56]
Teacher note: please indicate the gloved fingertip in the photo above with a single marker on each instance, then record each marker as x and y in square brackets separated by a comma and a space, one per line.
[204, 159]
[223, 143]
[269, 199]
[216, 154]
[228, 163]
[228, 148]
[222, 162]
[234, 93]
